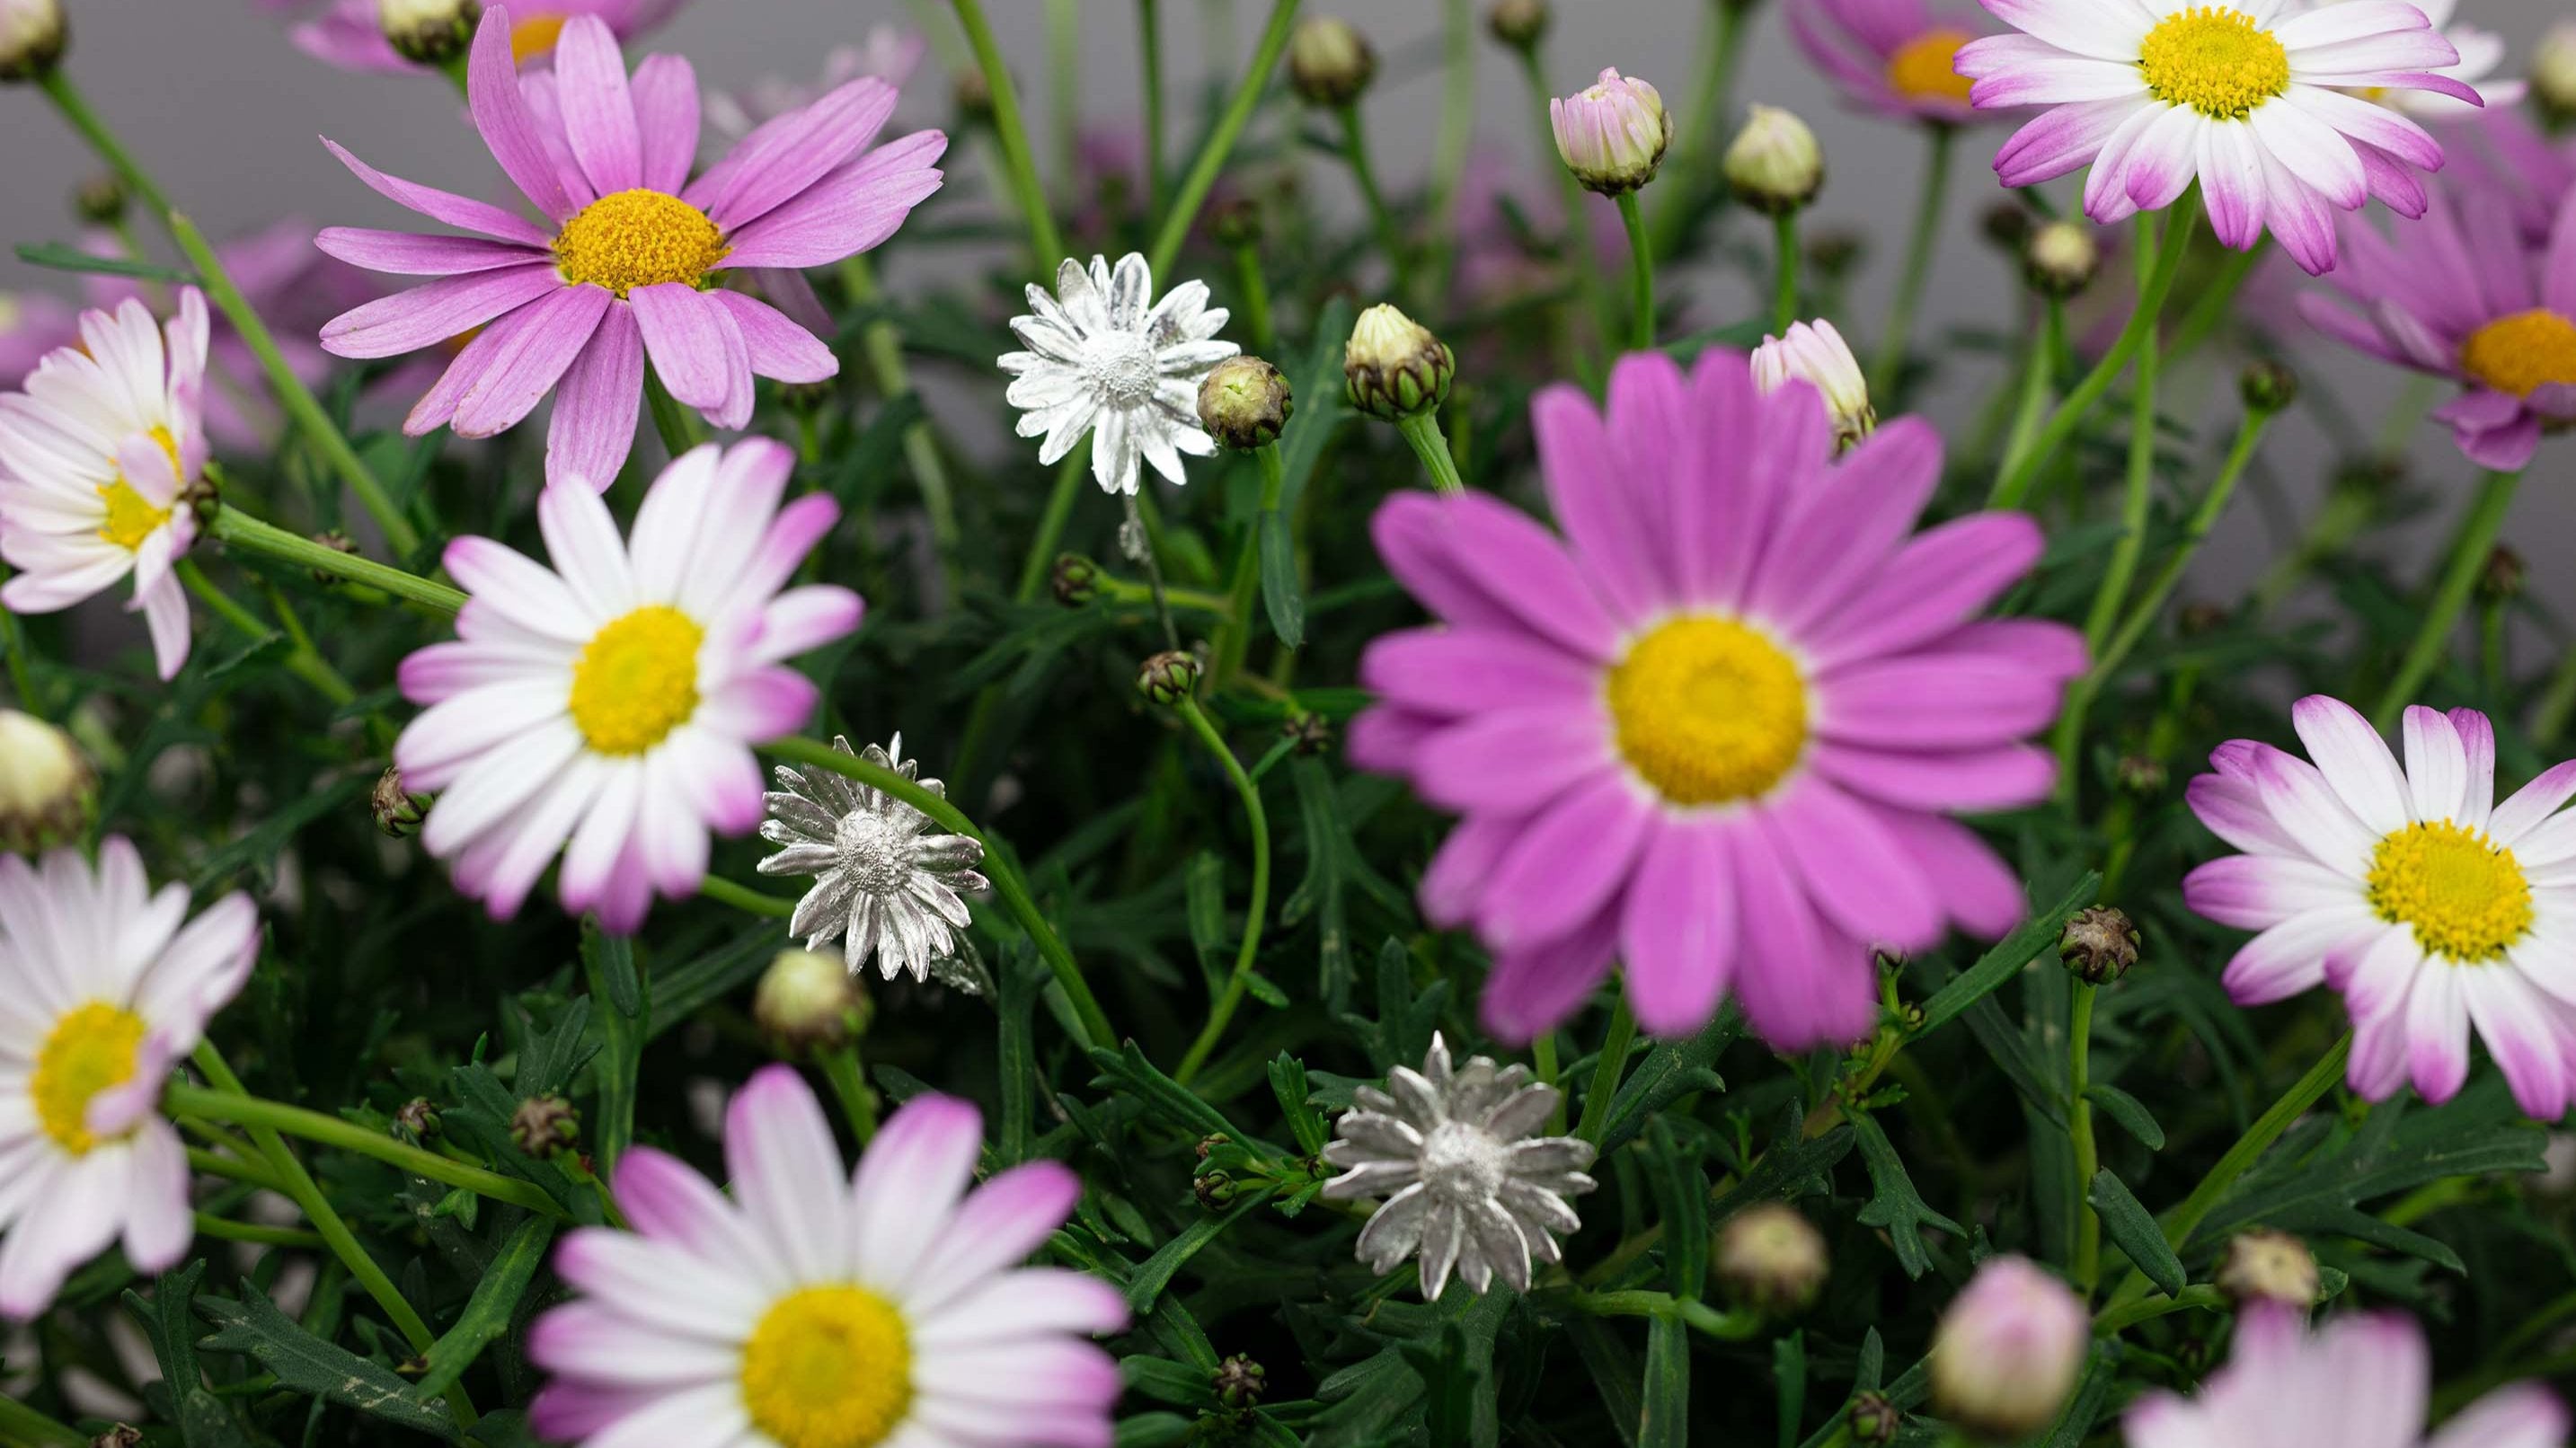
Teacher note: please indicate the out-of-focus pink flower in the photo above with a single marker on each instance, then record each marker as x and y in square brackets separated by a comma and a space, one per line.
[1892, 57]
[350, 36]
[888, 52]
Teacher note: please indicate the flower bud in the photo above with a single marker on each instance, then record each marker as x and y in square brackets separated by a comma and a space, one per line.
[545, 1125]
[2199, 618]
[45, 785]
[2269, 1267]
[123, 1435]
[1239, 1382]
[397, 810]
[100, 200]
[415, 1121]
[2502, 579]
[2139, 774]
[974, 98]
[2059, 258]
[1613, 134]
[1308, 735]
[1215, 1188]
[1816, 354]
[806, 1000]
[1329, 63]
[428, 32]
[2006, 224]
[1875, 1420]
[1393, 368]
[1244, 403]
[1169, 677]
[2100, 945]
[1075, 581]
[2553, 73]
[1236, 222]
[1834, 251]
[1518, 23]
[1774, 163]
[2267, 386]
[2006, 1353]
[1771, 1259]
[32, 37]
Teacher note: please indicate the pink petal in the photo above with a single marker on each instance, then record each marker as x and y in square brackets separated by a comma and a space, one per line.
[508, 127]
[446, 206]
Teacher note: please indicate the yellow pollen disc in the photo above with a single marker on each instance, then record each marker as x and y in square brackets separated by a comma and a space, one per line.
[130, 519]
[534, 36]
[2215, 60]
[638, 238]
[1708, 710]
[637, 680]
[2522, 353]
[89, 1050]
[2464, 894]
[1921, 68]
[828, 1367]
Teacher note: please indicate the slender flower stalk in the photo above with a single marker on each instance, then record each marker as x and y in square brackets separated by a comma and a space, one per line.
[1390, 237]
[883, 343]
[1641, 272]
[1574, 238]
[2469, 551]
[240, 1108]
[1244, 593]
[1697, 139]
[1020, 166]
[2084, 1154]
[1898, 334]
[1059, 510]
[1457, 134]
[1784, 270]
[1256, 908]
[1220, 142]
[1149, 37]
[238, 529]
[1606, 1071]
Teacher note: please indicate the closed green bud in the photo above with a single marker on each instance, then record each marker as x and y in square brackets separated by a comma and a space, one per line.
[1075, 581]
[33, 36]
[1244, 403]
[100, 200]
[1774, 163]
[428, 32]
[544, 1126]
[1518, 23]
[1393, 368]
[2059, 258]
[46, 786]
[2553, 73]
[2100, 944]
[1329, 62]
[1168, 678]
[806, 1000]
[396, 810]
[2267, 386]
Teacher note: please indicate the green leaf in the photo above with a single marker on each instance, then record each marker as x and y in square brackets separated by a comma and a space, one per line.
[1672, 1070]
[1317, 387]
[2006, 959]
[2133, 1229]
[1789, 1370]
[1364, 1401]
[1895, 1204]
[204, 1420]
[258, 849]
[1283, 597]
[612, 957]
[678, 993]
[1203, 890]
[1153, 1430]
[871, 459]
[2084, 1407]
[1127, 1069]
[1334, 862]
[1166, 1381]
[1288, 1083]
[1615, 1374]
[1663, 1420]
[255, 1328]
[1792, 1159]
[1156, 1272]
[552, 1058]
[61, 257]
[1681, 1194]
[2127, 1110]
[495, 1305]
[609, 962]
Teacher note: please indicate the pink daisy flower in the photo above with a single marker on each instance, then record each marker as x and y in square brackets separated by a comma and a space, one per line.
[2360, 1382]
[819, 1306]
[632, 265]
[349, 34]
[2247, 99]
[613, 700]
[1714, 731]
[2432, 908]
[2458, 295]
[1893, 57]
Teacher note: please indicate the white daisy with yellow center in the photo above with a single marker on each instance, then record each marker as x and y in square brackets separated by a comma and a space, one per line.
[606, 707]
[2432, 908]
[823, 1309]
[102, 987]
[94, 456]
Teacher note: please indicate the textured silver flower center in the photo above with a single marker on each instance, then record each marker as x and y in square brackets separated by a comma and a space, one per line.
[1121, 365]
[1462, 1163]
[876, 852]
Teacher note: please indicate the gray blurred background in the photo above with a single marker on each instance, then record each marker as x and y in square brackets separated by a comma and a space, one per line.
[213, 98]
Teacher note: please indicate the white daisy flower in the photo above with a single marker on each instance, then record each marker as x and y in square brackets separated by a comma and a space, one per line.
[93, 457]
[2432, 908]
[102, 988]
[2249, 99]
[1471, 1188]
[1104, 355]
[612, 700]
[2482, 53]
[886, 882]
[824, 1309]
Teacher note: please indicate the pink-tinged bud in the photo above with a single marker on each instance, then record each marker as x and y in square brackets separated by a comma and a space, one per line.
[1816, 354]
[2007, 1352]
[1612, 135]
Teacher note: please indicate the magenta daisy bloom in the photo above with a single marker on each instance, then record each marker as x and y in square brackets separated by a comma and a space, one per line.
[2458, 295]
[630, 262]
[1893, 57]
[2431, 907]
[612, 701]
[825, 1308]
[2247, 99]
[1716, 730]
[2358, 1382]
[350, 35]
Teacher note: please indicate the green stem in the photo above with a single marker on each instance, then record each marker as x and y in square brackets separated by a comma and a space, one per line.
[1423, 431]
[1543, 1061]
[224, 1229]
[678, 427]
[1256, 909]
[1149, 35]
[1698, 139]
[237, 529]
[1234, 636]
[2038, 382]
[2079, 1053]
[75, 107]
[1059, 510]
[2557, 701]
[2216, 302]
[2347, 512]
[1019, 166]
[1641, 276]
[882, 343]
[1574, 239]
[301, 661]
[1784, 272]
[22, 1425]
[1220, 142]
[1255, 288]
[2459, 579]
[1457, 131]
[1899, 332]
[1606, 1072]
[1390, 238]
[2112, 1320]
[850, 1084]
[2014, 483]
[997, 867]
[263, 1116]
[745, 899]
[1064, 82]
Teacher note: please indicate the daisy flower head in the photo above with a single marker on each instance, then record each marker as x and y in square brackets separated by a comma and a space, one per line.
[2433, 909]
[820, 1308]
[106, 984]
[350, 34]
[887, 882]
[612, 700]
[1716, 730]
[2251, 100]
[1105, 358]
[2458, 295]
[2358, 1382]
[94, 455]
[630, 260]
[1892, 57]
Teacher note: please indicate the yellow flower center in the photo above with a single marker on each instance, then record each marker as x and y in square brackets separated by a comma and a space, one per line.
[828, 1367]
[637, 680]
[2522, 353]
[2463, 893]
[534, 36]
[2215, 60]
[89, 1050]
[1922, 68]
[638, 238]
[1708, 710]
[130, 519]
